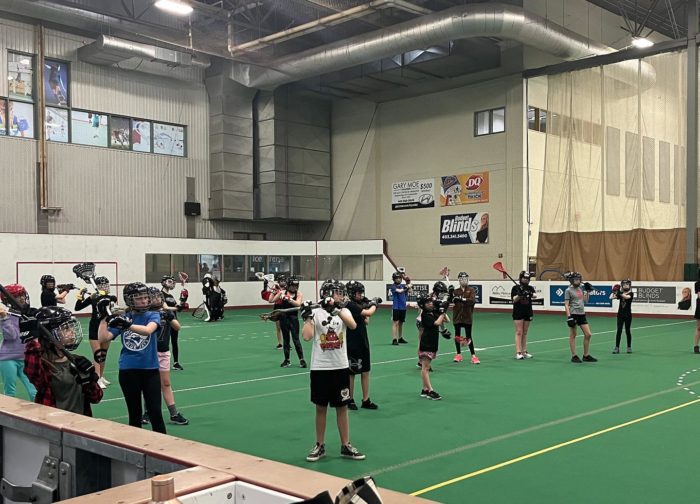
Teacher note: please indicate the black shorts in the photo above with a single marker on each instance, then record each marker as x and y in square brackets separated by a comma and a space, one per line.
[580, 320]
[697, 311]
[522, 316]
[359, 361]
[330, 386]
[398, 316]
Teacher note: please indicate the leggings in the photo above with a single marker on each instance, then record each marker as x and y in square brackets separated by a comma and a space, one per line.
[290, 327]
[175, 347]
[12, 370]
[134, 383]
[627, 322]
[467, 333]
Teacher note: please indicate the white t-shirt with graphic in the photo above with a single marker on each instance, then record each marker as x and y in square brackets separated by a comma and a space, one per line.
[329, 350]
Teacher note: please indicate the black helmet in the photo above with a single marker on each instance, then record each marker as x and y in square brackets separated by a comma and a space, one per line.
[156, 297]
[396, 276]
[102, 283]
[46, 279]
[64, 328]
[293, 282]
[463, 278]
[331, 286]
[422, 300]
[524, 275]
[137, 290]
[353, 287]
[167, 281]
[572, 276]
[626, 282]
[440, 287]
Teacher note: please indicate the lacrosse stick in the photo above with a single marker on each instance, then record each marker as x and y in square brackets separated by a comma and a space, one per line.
[183, 277]
[445, 274]
[275, 315]
[86, 272]
[202, 312]
[498, 266]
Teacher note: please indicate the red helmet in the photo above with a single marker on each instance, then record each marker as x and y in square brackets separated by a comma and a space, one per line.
[16, 291]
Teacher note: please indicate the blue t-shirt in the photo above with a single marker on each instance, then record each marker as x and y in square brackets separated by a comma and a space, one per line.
[138, 352]
[398, 298]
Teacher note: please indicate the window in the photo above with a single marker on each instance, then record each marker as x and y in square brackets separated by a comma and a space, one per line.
[20, 76]
[186, 263]
[57, 125]
[157, 265]
[256, 264]
[209, 264]
[373, 267]
[89, 128]
[353, 267]
[305, 267]
[328, 267]
[169, 139]
[234, 268]
[537, 119]
[240, 235]
[120, 133]
[56, 83]
[279, 264]
[3, 116]
[487, 122]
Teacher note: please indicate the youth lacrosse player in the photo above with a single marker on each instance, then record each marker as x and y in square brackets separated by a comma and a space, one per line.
[330, 374]
[575, 298]
[167, 285]
[463, 299]
[289, 322]
[522, 296]
[399, 295]
[60, 382]
[269, 289]
[12, 348]
[358, 342]
[48, 292]
[433, 316]
[138, 362]
[99, 350]
[623, 293]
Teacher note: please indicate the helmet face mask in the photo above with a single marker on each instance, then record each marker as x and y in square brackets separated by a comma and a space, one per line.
[137, 297]
[102, 284]
[463, 279]
[396, 277]
[626, 284]
[292, 284]
[524, 278]
[156, 298]
[18, 292]
[68, 334]
[168, 282]
[48, 282]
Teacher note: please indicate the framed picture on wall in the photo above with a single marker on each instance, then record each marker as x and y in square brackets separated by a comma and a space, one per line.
[169, 139]
[141, 135]
[21, 119]
[56, 83]
[20, 76]
[89, 128]
[3, 116]
[57, 125]
[120, 133]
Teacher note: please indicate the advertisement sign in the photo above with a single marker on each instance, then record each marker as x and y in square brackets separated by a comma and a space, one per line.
[599, 296]
[654, 294]
[464, 228]
[413, 294]
[412, 194]
[500, 295]
[464, 189]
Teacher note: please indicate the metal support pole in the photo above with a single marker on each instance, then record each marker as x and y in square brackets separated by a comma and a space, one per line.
[691, 249]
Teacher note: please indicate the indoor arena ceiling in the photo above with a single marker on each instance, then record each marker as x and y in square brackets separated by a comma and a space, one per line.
[256, 31]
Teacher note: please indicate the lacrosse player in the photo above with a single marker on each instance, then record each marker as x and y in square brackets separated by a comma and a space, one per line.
[433, 316]
[623, 292]
[289, 322]
[399, 295]
[522, 296]
[575, 298]
[358, 342]
[48, 292]
[99, 350]
[464, 299]
[168, 284]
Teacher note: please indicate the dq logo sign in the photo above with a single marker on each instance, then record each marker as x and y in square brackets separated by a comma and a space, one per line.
[474, 182]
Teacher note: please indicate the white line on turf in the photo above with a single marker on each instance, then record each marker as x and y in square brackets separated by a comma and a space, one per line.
[405, 359]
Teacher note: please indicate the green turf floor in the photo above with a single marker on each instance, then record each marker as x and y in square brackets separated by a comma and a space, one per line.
[237, 397]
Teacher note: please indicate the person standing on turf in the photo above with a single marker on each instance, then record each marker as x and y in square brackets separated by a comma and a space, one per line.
[358, 342]
[575, 298]
[48, 292]
[623, 292]
[168, 284]
[99, 350]
[463, 299]
[522, 296]
[289, 322]
[433, 317]
[399, 295]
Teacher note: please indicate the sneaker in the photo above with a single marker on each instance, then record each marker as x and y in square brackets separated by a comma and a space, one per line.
[458, 358]
[349, 451]
[589, 358]
[696, 349]
[279, 346]
[105, 381]
[317, 452]
[616, 350]
[302, 363]
[402, 341]
[576, 359]
[629, 349]
[418, 365]
[178, 366]
[434, 396]
[424, 393]
[285, 363]
[145, 419]
[368, 404]
[395, 342]
[527, 355]
[101, 383]
[446, 334]
[352, 405]
[475, 360]
[519, 356]
[178, 419]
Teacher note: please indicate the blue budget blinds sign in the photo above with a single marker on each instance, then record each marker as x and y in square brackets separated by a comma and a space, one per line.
[599, 296]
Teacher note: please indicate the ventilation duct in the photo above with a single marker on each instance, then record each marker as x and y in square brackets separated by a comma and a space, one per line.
[465, 21]
[108, 50]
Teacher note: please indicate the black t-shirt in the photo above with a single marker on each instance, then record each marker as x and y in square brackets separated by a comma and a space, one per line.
[95, 318]
[48, 298]
[523, 308]
[429, 338]
[625, 308]
[163, 340]
[357, 338]
[169, 299]
[286, 304]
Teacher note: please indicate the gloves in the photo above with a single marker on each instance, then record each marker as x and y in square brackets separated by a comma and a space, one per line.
[83, 364]
[330, 306]
[616, 287]
[588, 287]
[167, 315]
[570, 321]
[441, 309]
[118, 322]
[81, 294]
[525, 293]
[103, 304]
[184, 295]
[306, 309]
[451, 290]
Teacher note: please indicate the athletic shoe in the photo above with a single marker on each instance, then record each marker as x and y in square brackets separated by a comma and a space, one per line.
[352, 405]
[302, 363]
[527, 355]
[178, 366]
[105, 381]
[616, 350]
[102, 384]
[368, 404]
[317, 452]
[629, 349]
[589, 358]
[178, 419]
[458, 358]
[145, 419]
[395, 342]
[424, 393]
[475, 360]
[285, 363]
[418, 365]
[434, 396]
[446, 334]
[576, 359]
[279, 346]
[696, 349]
[402, 341]
[349, 451]
[519, 356]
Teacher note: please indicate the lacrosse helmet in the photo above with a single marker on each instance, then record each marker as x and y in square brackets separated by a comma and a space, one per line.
[64, 328]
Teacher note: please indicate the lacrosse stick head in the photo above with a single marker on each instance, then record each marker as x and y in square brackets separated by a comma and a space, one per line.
[498, 266]
[85, 271]
[445, 272]
[183, 278]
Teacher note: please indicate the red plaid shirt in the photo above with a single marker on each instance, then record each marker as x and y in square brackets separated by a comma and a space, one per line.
[38, 370]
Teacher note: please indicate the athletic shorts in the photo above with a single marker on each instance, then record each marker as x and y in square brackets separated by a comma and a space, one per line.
[164, 361]
[580, 320]
[522, 316]
[428, 355]
[697, 311]
[398, 315]
[359, 361]
[93, 335]
[330, 386]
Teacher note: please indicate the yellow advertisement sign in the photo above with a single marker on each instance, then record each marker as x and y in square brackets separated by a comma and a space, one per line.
[464, 189]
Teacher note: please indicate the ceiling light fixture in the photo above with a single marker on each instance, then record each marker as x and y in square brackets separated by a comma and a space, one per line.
[641, 42]
[177, 7]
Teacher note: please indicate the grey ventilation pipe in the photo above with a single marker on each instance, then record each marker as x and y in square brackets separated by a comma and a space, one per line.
[108, 50]
[465, 21]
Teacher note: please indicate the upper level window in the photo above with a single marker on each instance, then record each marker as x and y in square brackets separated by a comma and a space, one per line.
[487, 122]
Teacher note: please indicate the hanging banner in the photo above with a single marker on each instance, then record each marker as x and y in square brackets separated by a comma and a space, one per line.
[464, 189]
[412, 194]
[464, 228]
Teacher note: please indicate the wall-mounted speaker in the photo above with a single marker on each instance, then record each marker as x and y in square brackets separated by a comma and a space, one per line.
[192, 209]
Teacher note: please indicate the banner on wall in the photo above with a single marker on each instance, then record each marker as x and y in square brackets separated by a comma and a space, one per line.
[599, 296]
[416, 291]
[464, 228]
[500, 295]
[412, 194]
[464, 189]
[654, 294]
